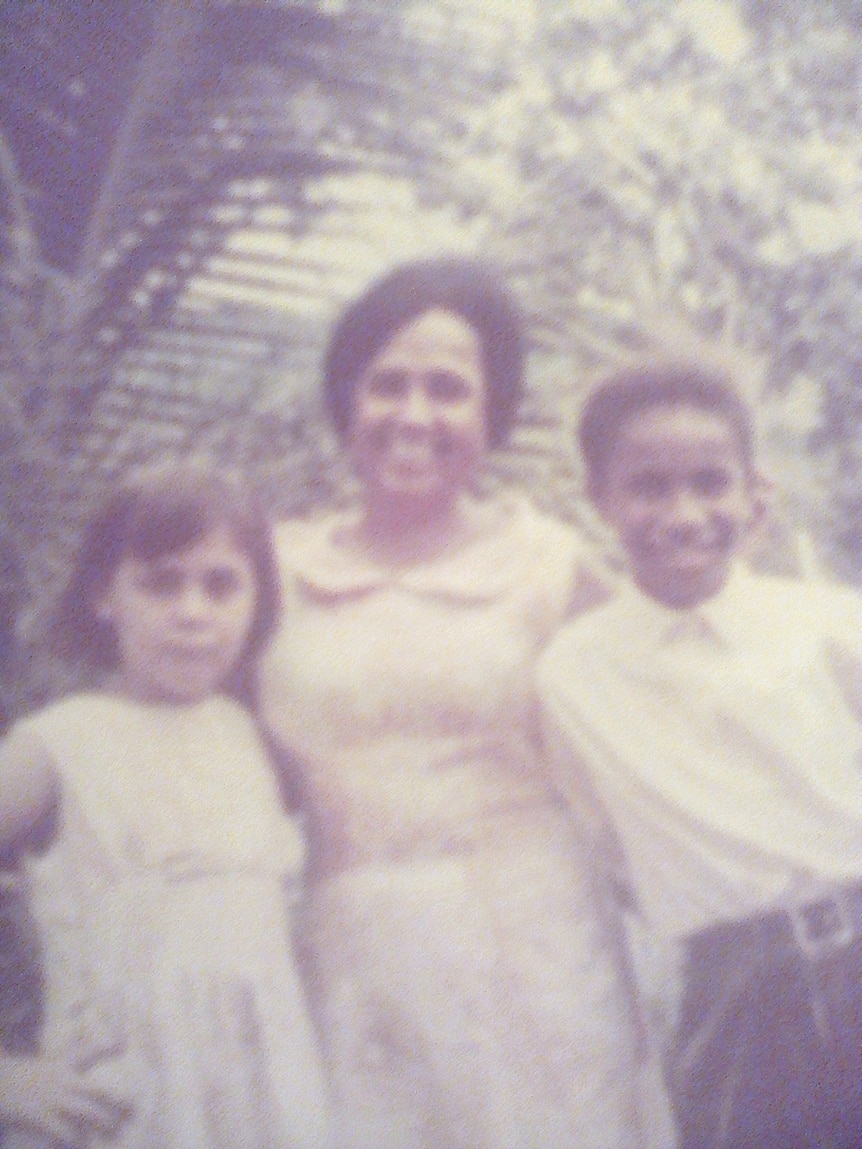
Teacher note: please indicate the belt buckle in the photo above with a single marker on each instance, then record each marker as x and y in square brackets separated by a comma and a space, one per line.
[822, 926]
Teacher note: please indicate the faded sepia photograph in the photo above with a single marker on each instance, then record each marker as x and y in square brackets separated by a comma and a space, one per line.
[431, 574]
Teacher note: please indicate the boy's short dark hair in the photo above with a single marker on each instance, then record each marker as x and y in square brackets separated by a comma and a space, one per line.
[467, 287]
[634, 389]
[160, 512]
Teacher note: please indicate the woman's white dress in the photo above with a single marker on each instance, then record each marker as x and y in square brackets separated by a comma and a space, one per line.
[164, 902]
[466, 988]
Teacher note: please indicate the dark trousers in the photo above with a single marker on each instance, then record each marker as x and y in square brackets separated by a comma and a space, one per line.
[21, 986]
[768, 1052]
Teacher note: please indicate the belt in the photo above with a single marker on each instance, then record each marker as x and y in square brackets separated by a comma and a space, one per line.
[814, 930]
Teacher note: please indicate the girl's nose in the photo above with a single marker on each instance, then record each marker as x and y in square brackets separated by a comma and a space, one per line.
[193, 604]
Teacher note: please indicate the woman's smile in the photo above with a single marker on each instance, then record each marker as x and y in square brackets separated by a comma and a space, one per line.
[418, 425]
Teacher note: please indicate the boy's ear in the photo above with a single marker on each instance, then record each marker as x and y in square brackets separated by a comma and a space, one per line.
[763, 500]
[764, 535]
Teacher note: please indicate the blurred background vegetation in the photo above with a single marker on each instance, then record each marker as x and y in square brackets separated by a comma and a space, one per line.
[190, 189]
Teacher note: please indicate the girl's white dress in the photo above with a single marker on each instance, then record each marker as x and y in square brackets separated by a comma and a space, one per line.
[467, 989]
[165, 902]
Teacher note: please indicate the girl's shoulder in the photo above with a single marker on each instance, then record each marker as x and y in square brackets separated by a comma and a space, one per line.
[73, 712]
[82, 730]
[66, 740]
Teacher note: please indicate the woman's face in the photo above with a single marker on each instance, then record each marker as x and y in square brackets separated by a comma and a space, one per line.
[418, 426]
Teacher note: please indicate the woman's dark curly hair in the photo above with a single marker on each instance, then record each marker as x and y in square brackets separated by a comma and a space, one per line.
[467, 288]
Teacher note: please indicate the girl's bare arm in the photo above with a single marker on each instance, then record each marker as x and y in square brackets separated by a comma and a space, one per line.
[29, 788]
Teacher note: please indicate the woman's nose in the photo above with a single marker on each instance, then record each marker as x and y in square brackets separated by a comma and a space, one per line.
[417, 407]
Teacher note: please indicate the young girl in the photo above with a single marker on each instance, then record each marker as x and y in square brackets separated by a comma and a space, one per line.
[174, 1012]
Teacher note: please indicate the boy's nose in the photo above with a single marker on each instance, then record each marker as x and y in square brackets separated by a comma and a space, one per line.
[686, 509]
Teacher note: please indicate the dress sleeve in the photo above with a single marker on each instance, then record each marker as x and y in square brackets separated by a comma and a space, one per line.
[564, 571]
[573, 783]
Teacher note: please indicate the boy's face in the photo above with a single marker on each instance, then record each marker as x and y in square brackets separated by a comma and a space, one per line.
[680, 496]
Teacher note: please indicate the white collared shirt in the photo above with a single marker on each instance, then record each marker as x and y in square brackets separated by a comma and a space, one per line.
[724, 743]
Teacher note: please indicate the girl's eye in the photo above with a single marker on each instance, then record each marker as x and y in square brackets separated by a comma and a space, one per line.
[221, 582]
[386, 384]
[162, 582]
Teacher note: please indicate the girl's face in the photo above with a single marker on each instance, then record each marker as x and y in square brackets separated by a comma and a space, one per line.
[181, 620]
[418, 426]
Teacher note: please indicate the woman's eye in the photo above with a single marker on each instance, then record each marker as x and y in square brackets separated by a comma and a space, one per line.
[448, 387]
[221, 582]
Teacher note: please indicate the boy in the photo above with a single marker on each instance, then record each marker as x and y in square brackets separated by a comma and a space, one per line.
[711, 717]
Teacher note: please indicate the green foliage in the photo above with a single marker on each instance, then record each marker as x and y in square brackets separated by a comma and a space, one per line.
[651, 175]
[686, 177]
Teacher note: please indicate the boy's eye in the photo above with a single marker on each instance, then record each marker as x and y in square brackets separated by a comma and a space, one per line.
[649, 485]
[221, 582]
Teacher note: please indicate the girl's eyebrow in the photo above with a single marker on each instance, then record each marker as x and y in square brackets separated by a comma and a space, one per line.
[161, 561]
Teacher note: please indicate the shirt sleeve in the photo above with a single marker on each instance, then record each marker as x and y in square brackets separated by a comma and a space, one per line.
[594, 584]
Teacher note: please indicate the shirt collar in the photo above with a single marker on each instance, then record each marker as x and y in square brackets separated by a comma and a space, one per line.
[716, 621]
